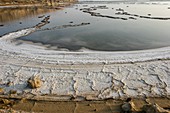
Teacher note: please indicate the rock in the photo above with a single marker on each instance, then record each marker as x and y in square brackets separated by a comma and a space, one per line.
[1, 25]
[118, 13]
[13, 92]
[78, 98]
[1, 91]
[9, 83]
[119, 9]
[8, 102]
[45, 20]
[129, 106]
[126, 107]
[132, 18]
[34, 82]
[5, 101]
[153, 108]
[124, 18]
[23, 100]
[39, 25]
[41, 16]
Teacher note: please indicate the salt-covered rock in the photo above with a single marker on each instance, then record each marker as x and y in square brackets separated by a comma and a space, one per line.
[34, 82]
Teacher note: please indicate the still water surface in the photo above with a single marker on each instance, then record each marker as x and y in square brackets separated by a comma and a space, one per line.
[101, 33]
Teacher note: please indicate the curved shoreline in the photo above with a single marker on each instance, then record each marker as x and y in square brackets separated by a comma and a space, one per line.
[85, 75]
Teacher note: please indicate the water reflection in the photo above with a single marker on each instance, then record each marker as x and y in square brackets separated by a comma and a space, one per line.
[11, 14]
[102, 27]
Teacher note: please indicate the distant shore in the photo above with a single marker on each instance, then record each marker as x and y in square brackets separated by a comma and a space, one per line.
[20, 6]
[52, 4]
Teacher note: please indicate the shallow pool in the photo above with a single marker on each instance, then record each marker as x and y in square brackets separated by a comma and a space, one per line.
[101, 26]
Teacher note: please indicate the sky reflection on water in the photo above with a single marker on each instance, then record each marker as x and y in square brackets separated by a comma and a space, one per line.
[105, 34]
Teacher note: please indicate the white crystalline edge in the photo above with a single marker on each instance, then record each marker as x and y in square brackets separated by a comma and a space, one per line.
[102, 79]
[78, 57]
[17, 34]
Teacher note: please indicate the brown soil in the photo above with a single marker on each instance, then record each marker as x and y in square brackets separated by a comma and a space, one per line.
[105, 106]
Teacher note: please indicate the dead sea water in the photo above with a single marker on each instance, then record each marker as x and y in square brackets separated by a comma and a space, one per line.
[101, 26]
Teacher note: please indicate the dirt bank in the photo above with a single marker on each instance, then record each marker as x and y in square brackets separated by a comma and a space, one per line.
[105, 106]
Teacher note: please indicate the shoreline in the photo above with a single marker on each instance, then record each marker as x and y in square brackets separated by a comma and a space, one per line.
[100, 75]
[90, 74]
[81, 76]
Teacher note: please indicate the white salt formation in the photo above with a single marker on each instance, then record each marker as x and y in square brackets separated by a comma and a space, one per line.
[89, 74]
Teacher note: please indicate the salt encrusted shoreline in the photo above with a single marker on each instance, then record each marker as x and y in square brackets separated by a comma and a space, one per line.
[90, 74]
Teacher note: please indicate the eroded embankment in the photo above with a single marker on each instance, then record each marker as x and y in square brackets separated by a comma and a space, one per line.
[105, 106]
